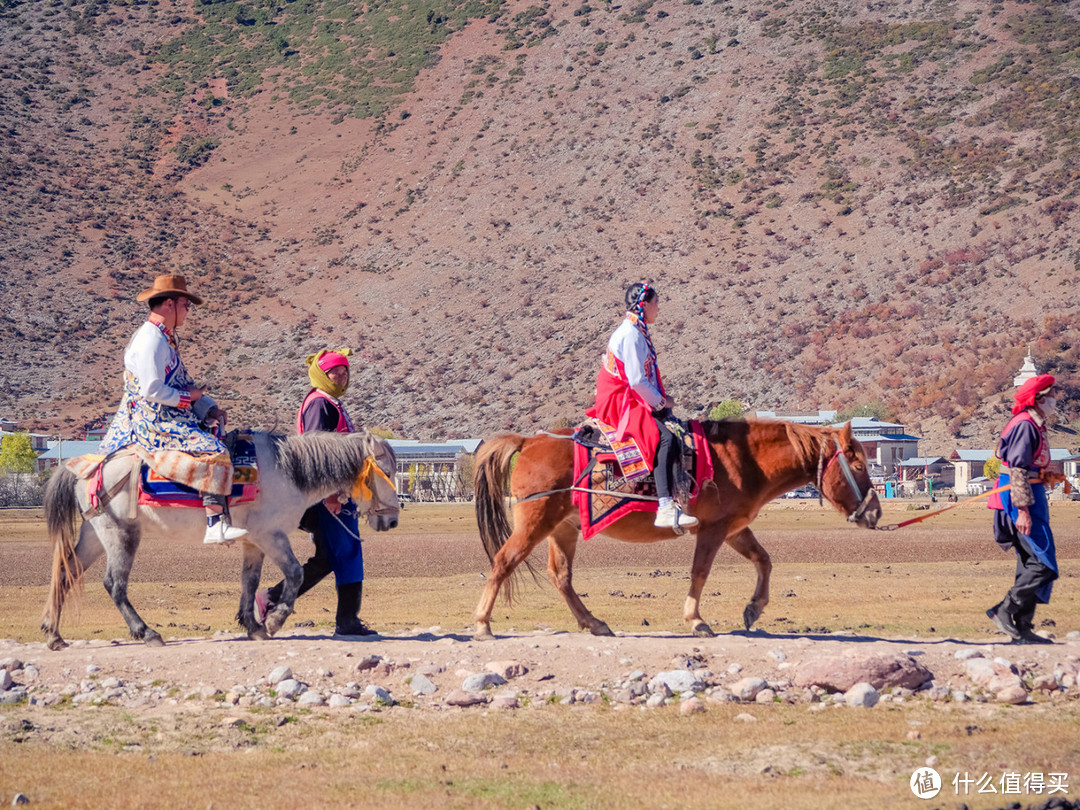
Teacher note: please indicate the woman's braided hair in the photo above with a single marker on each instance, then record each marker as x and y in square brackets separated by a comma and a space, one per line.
[636, 295]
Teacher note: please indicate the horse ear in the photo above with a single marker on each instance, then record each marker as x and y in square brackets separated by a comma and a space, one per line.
[845, 433]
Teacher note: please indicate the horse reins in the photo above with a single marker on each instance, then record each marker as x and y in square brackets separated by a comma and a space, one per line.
[987, 494]
[371, 467]
[894, 526]
[865, 499]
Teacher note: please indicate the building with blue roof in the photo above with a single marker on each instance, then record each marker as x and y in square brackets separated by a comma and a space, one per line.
[61, 451]
[887, 444]
[936, 469]
[435, 471]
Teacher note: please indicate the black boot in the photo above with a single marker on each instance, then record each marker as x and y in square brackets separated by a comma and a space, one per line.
[1001, 615]
[347, 622]
[1024, 618]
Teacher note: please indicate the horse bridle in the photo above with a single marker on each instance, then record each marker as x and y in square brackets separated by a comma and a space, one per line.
[845, 468]
[364, 490]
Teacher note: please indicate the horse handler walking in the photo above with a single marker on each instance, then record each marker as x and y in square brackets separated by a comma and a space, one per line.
[333, 524]
[1022, 514]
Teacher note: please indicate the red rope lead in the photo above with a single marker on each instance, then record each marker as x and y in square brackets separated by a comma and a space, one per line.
[921, 518]
[1047, 478]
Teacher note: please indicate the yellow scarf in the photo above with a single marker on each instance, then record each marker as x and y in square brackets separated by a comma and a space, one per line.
[318, 377]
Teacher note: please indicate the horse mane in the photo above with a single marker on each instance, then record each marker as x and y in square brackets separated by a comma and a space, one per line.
[317, 459]
[807, 441]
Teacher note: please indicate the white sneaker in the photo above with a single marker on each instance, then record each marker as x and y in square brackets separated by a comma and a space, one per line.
[671, 516]
[222, 532]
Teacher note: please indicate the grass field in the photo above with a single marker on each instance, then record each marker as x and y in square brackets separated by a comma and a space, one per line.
[927, 582]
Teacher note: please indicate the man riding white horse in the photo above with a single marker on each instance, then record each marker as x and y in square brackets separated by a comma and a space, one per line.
[162, 409]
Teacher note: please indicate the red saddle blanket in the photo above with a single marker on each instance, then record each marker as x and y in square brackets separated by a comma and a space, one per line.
[157, 490]
[609, 499]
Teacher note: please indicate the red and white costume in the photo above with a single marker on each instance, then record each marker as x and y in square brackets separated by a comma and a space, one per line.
[629, 388]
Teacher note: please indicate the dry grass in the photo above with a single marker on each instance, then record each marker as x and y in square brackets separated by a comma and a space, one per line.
[556, 756]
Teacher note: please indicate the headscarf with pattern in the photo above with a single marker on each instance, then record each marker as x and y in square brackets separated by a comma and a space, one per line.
[321, 362]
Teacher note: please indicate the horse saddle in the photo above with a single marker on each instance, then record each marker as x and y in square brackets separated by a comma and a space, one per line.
[610, 468]
[603, 491]
[161, 475]
[159, 489]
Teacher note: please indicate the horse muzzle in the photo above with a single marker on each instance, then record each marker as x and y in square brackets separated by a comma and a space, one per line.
[383, 523]
[868, 512]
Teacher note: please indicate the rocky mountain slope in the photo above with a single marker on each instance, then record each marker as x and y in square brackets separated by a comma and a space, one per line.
[841, 204]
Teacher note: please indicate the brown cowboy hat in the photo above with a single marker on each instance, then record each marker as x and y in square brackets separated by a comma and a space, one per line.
[168, 285]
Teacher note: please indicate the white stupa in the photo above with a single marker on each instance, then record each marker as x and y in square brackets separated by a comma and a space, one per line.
[1027, 371]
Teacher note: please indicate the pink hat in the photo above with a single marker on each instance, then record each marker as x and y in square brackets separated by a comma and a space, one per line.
[331, 359]
[1025, 395]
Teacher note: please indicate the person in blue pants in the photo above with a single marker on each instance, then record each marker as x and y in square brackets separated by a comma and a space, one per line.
[333, 523]
[1022, 514]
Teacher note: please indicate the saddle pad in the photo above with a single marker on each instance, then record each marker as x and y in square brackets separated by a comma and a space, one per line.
[157, 490]
[627, 452]
[205, 473]
[598, 511]
[85, 467]
[154, 490]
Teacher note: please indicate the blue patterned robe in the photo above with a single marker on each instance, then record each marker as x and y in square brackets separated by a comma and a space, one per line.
[156, 412]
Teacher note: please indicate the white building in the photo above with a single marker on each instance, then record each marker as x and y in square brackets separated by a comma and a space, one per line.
[814, 418]
[934, 468]
[435, 471]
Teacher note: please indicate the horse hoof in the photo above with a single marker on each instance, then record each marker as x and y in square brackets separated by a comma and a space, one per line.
[750, 615]
[703, 630]
[483, 634]
[57, 643]
[259, 634]
[273, 624]
[154, 640]
[601, 629]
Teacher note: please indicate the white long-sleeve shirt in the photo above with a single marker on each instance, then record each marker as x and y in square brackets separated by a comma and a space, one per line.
[153, 361]
[631, 348]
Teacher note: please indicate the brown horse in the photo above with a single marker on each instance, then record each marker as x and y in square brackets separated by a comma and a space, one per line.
[753, 462]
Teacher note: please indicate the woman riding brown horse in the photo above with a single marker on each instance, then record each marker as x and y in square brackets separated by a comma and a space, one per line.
[753, 462]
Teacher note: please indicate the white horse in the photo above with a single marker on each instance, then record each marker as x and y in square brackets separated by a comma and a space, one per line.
[295, 472]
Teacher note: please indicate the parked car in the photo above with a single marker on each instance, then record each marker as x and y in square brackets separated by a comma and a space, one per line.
[802, 492]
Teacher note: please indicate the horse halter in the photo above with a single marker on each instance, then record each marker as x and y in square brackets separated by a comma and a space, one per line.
[845, 468]
[364, 490]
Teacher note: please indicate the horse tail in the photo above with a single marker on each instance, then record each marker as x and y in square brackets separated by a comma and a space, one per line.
[491, 483]
[61, 511]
